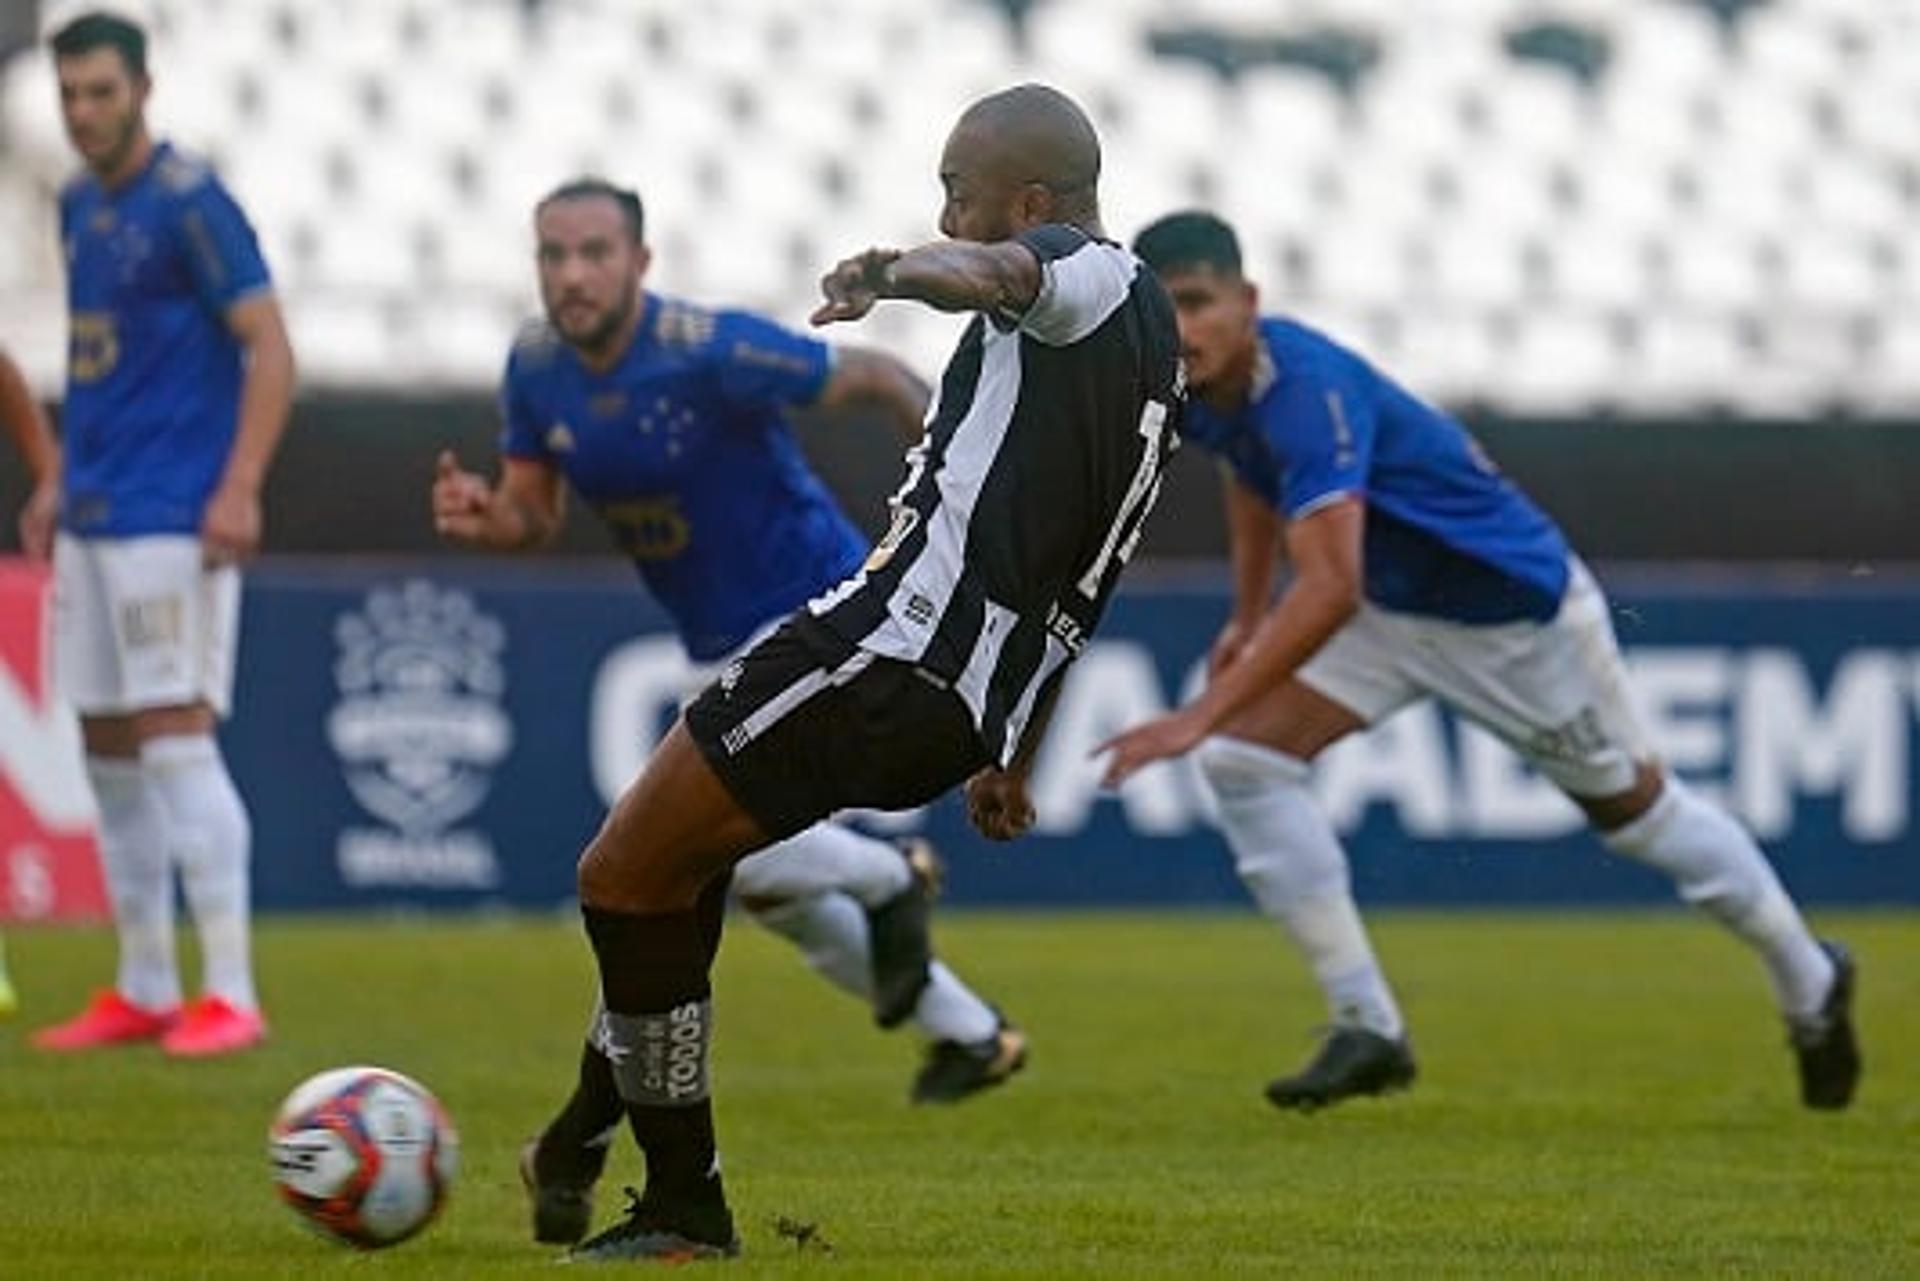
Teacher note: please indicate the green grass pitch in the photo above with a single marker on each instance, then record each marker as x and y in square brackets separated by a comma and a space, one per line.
[1602, 1095]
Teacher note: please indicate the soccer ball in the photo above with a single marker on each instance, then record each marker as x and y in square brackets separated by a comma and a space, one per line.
[363, 1155]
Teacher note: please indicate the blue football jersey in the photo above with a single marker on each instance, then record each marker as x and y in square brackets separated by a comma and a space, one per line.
[684, 450]
[153, 373]
[1447, 535]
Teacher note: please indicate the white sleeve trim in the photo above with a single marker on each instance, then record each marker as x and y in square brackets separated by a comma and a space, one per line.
[1327, 499]
[1078, 293]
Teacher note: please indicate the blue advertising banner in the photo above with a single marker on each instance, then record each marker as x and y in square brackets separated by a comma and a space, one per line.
[429, 736]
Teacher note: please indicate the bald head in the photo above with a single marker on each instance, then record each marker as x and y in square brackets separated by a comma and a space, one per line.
[1017, 158]
[1038, 135]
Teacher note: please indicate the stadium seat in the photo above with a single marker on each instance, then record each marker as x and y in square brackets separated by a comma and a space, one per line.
[363, 254]
[1537, 117]
[1593, 268]
[1476, 268]
[1535, 149]
[1885, 382]
[461, 339]
[1836, 276]
[1710, 272]
[1684, 363]
[1354, 267]
[344, 338]
[1447, 354]
[1558, 357]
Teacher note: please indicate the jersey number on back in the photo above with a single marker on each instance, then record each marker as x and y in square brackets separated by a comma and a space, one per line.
[1127, 522]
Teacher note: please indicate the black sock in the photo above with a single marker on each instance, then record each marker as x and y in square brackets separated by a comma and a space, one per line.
[711, 909]
[653, 976]
[568, 1148]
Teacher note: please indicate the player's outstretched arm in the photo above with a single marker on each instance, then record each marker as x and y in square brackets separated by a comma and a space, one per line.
[1325, 549]
[230, 526]
[1253, 548]
[34, 439]
[524, 512]
[863, 376]
[952, 275]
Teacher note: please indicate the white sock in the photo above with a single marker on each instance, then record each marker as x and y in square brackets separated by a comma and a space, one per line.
[827, 856]
[1719, 868]
[139, 875]
[211, 839]
[1286, 851]
[831, 932]
[949, 1010]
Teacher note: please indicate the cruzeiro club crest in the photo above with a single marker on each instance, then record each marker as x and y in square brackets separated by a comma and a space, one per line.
[418, 730]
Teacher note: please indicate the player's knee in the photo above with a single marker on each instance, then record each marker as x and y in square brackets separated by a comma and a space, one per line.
[606, 877]
[110, 736]
[1620, 812]
[180, 720]
[759, 889]
[616, 875]
[592, 875]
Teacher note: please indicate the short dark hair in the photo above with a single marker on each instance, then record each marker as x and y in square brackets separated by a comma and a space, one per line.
[1191, 238]
[96, 30]
[627, 199]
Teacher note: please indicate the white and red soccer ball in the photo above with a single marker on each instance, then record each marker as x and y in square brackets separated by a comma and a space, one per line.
[363, 1155]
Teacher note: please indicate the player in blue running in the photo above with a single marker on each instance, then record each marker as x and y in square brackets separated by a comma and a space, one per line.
[670, 421]
[1418, 570]
[179, 380]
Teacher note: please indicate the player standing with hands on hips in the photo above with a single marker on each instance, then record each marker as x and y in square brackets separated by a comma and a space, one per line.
[179, 381]
[670, 421]
[1418, 571]
[938, 662]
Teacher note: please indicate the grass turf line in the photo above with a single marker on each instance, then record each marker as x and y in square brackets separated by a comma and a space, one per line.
[1601, 1095]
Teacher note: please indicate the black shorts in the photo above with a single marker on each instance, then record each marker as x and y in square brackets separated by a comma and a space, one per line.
[796, 734]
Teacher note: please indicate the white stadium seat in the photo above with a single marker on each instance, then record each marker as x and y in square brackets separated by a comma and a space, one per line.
[1487, 220]
[1559, 359]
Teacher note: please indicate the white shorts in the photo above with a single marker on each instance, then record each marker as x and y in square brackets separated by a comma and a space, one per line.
[1556, 692]
[140, 623]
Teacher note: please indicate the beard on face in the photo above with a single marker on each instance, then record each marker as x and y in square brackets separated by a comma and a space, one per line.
[601, 330]
[106, 143]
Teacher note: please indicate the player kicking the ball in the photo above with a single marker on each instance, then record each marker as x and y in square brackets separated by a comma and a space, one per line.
[669, 420]
[939, 660]
[1418, 571]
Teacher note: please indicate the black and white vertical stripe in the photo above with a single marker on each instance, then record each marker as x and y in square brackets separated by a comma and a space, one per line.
[1026, 497]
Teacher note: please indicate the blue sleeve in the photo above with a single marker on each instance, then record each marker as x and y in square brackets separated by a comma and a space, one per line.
[757, 363]
[1321, 426]
[219, 245]
[520, 431]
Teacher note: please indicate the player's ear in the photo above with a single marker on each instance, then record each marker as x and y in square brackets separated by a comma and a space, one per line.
[1250, 295]
[1033, 206]
[642, 259]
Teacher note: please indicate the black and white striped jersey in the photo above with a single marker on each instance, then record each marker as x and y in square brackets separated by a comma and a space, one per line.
[1025, 498]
